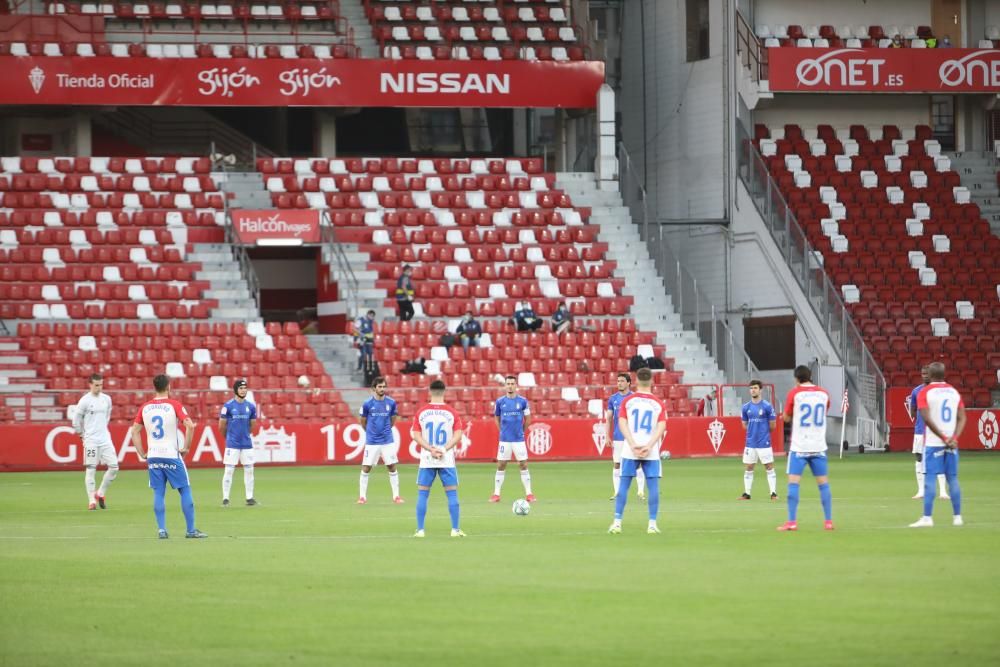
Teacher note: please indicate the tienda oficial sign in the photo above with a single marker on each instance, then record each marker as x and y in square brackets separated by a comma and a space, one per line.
[260, 227]
[884, 70]
[345, 82]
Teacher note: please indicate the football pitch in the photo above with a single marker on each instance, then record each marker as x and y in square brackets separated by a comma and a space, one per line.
[309, 577]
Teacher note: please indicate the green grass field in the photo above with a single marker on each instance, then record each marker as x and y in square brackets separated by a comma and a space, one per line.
[308, 577]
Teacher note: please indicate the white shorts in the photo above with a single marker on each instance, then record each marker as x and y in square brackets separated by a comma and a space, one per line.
[616, 450]
[918, 443]
[753, 455]
[388, 453]
[233, 457]
[94, 455]
[518, 449]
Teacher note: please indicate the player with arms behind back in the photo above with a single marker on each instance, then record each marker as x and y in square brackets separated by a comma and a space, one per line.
[377, 416]
[237, 421]
[643, 422]
[617, 439]
[758, 421]
[437, 429]
[919, 428]
[512, 417]
[944, 415]
[90, 420]
[806, 408]
[160, 418]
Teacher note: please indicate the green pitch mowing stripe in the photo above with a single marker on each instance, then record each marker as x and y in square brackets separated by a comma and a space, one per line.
[309, 577]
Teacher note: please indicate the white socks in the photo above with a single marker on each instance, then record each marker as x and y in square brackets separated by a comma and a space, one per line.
[394, 483]
[90, 476]
[364, 485]
[227, 481]
[616, 478]
[772, 480]
[526, 480]
[498, 482]
[248, 480]
[640, 481]
[920, 478]
[747, 481]
[109, 476]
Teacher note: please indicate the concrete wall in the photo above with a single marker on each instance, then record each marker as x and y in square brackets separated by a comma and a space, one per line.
[842, 111]
[842, 12]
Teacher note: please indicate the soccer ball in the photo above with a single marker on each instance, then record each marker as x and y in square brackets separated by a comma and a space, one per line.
[665, 455]
[304, 381]
[521, 507]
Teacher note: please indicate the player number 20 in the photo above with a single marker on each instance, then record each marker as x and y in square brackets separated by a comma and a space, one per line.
[645, 423]
[816, 413]
[437, 435]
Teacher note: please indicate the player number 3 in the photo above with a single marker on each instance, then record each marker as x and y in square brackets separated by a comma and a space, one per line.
[157, 427]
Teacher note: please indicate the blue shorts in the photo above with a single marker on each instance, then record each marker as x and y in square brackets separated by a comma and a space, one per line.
[449, 476]
[650, 468]
[162, 471]
[797, 462]
[941, 461]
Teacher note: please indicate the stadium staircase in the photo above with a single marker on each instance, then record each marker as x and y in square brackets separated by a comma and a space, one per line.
[979, 174]
[227, 284]
[18, 376]
[653, 309]
[353, 12]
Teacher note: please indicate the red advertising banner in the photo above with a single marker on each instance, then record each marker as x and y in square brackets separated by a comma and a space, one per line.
[254, 226]
[945, 71]
[278, 82]
[55, 446]
[981, 432]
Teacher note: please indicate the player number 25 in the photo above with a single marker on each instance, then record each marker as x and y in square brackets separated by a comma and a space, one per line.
[817, 413]
[645, 423]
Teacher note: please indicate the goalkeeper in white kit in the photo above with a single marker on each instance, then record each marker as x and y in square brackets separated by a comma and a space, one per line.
[93, 413]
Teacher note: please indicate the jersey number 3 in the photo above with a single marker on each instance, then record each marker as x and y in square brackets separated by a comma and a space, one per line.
[157, 427]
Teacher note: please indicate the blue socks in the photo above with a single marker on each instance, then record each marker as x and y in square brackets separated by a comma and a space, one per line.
[827, 499]
[793, 500]
[955, 491]
[422, 495]
[160, 508]
[453, 507]
[187, 506]
[930, 490]
[622, 496]
[653, 494]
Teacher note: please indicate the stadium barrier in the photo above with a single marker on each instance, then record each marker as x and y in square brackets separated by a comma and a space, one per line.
[981, 432]
[28, 447]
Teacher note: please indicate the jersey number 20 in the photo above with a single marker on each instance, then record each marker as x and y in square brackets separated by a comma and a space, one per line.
[816, 413]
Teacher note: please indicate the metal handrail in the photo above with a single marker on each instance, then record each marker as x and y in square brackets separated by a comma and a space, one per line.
[697, 312]
[824, 298]
[346, 279]
[752, 55]
[240, 254]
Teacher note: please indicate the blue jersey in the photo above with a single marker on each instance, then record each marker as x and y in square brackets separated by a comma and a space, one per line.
[758, 417]
[918, 423]
[364, 330]
[379, 414]
[238, 415]
[614, 403]
[511, 412]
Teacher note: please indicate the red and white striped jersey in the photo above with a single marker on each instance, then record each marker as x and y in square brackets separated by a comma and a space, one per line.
[942, 402]
[808, 405]
[643, 412]
[161, 418]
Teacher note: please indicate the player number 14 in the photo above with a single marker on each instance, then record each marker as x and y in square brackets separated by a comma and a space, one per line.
[645, 423]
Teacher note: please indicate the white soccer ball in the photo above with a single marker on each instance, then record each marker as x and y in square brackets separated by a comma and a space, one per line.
[665, 455]
[521, 507]
[304, 381]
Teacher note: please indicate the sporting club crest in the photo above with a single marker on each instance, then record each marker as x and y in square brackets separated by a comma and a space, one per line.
[988, 429]
[539, 439]
[716, 434]
[274, 445]
[600, 436]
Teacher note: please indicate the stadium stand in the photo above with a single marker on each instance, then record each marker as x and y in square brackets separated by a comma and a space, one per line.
[898, 234]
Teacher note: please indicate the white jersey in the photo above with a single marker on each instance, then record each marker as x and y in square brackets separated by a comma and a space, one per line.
[161, 417]
[808, 405]
[942, 402]
[91, 419]
[438, 423]
[642, 412]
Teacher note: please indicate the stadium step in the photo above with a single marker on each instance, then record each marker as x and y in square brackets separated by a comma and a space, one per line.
[353, 11]
[339, 358]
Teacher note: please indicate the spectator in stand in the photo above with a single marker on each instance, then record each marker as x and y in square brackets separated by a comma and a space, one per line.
[525, 318]
[404, 294]
[562, 319]
[897, 42]
[364, 339]
[706, 406]
[945, 42]
[931, 42]
[468, 331]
